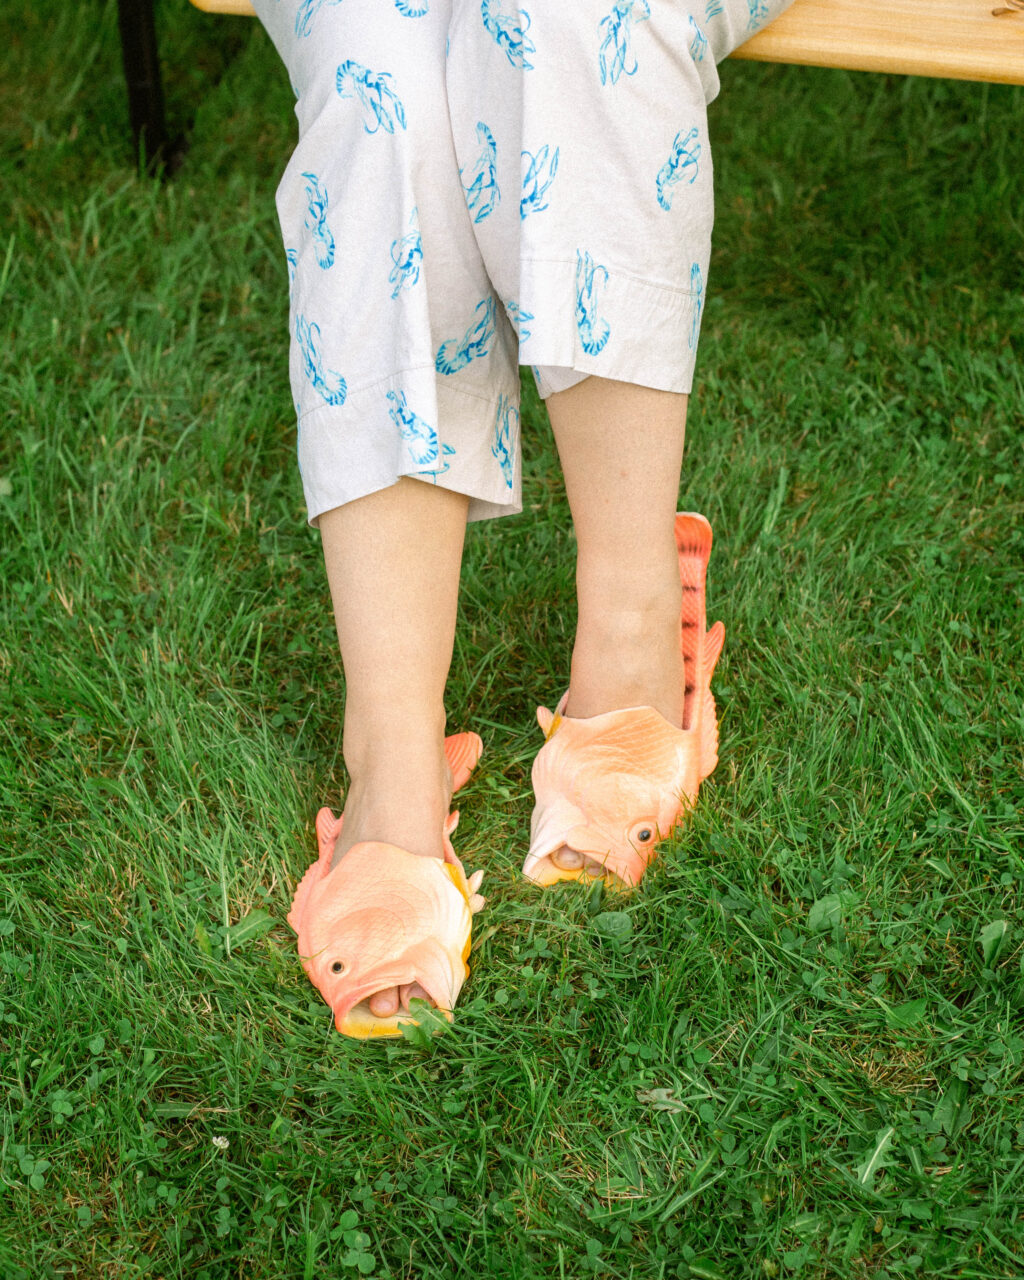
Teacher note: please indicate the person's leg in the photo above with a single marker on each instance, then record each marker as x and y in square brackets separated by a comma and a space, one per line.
[401, 367]
[393, 562]
[601, 255]
[621, 449]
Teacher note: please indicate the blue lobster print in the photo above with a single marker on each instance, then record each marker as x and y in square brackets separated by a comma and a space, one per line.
[685, 155]
[697, 289]
[615, 55]
[592, 330]
[482, 194]
[713, 9]
[509, 31]
[455, 354]
[407, 255]
[419, 435]
[506, 427]
[698, 42]
[446, 452]
[375, 95]
[409, 10]
[305, 14]
[758, 10]
[331, 385]
[316, 221]
[518, 319]
[536, 181]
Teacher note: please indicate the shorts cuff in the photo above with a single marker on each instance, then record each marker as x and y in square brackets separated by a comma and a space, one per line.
[592, 318]
[381, 433]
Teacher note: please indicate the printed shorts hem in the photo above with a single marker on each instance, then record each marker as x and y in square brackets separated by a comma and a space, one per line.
[639, 332]
[347, 452]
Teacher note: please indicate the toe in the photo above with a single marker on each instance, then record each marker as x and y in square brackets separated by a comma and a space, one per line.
[384, 1004]
[412, 991]
[593, 868]
[567, 859]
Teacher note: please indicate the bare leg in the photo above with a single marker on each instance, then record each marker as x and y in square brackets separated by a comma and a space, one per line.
[621, 448]
[393, 560]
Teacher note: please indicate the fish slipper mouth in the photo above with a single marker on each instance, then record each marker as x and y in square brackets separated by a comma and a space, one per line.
[440, 969]
[551, 828]
[558, 824]
[544, 871]
[441, 986]
[361, 1023]
[541, 868]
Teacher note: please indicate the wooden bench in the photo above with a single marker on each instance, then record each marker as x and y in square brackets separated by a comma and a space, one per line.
[959, 39]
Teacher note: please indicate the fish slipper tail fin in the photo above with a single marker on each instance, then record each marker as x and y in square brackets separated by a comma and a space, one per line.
[463, 751]
[693, 542]
[701, 649]
[713, 642]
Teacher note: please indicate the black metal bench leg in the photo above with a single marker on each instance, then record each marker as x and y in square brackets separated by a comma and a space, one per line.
[145, 93]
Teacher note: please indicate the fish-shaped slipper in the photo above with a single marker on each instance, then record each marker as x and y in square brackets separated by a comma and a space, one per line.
[384, 917]
[611, 786]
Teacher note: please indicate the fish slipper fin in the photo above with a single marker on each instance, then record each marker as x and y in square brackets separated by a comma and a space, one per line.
[462, 751]
[713, 642]
[709, 718]
[451, 858]
[328, 828]
[693, 542]
[693, 534]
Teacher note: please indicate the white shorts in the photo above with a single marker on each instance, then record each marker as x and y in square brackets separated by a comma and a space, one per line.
[478, 186]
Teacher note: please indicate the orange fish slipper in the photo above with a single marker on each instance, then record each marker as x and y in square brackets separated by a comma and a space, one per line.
[609, 787]
[387, 917]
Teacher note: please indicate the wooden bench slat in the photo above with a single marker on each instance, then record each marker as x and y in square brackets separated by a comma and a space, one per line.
[960, 39]
[241, 7]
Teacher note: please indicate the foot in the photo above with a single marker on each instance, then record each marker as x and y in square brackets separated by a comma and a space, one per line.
[567, 859]
[626, 658]
[402, 797]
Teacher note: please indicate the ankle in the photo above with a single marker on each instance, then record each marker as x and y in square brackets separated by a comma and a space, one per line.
[412, 822]
[403, 808]
[628, 657]
[388, 743]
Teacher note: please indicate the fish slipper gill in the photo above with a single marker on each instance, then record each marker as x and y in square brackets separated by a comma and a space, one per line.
[610, 787]
[385, 917]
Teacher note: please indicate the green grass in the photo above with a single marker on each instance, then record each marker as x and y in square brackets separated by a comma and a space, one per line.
[804, 1058]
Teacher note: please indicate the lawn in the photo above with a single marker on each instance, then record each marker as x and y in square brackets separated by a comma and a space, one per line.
[799, 1050]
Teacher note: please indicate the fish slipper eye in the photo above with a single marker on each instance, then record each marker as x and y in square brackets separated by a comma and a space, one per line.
[643, 833]
[337, 967]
